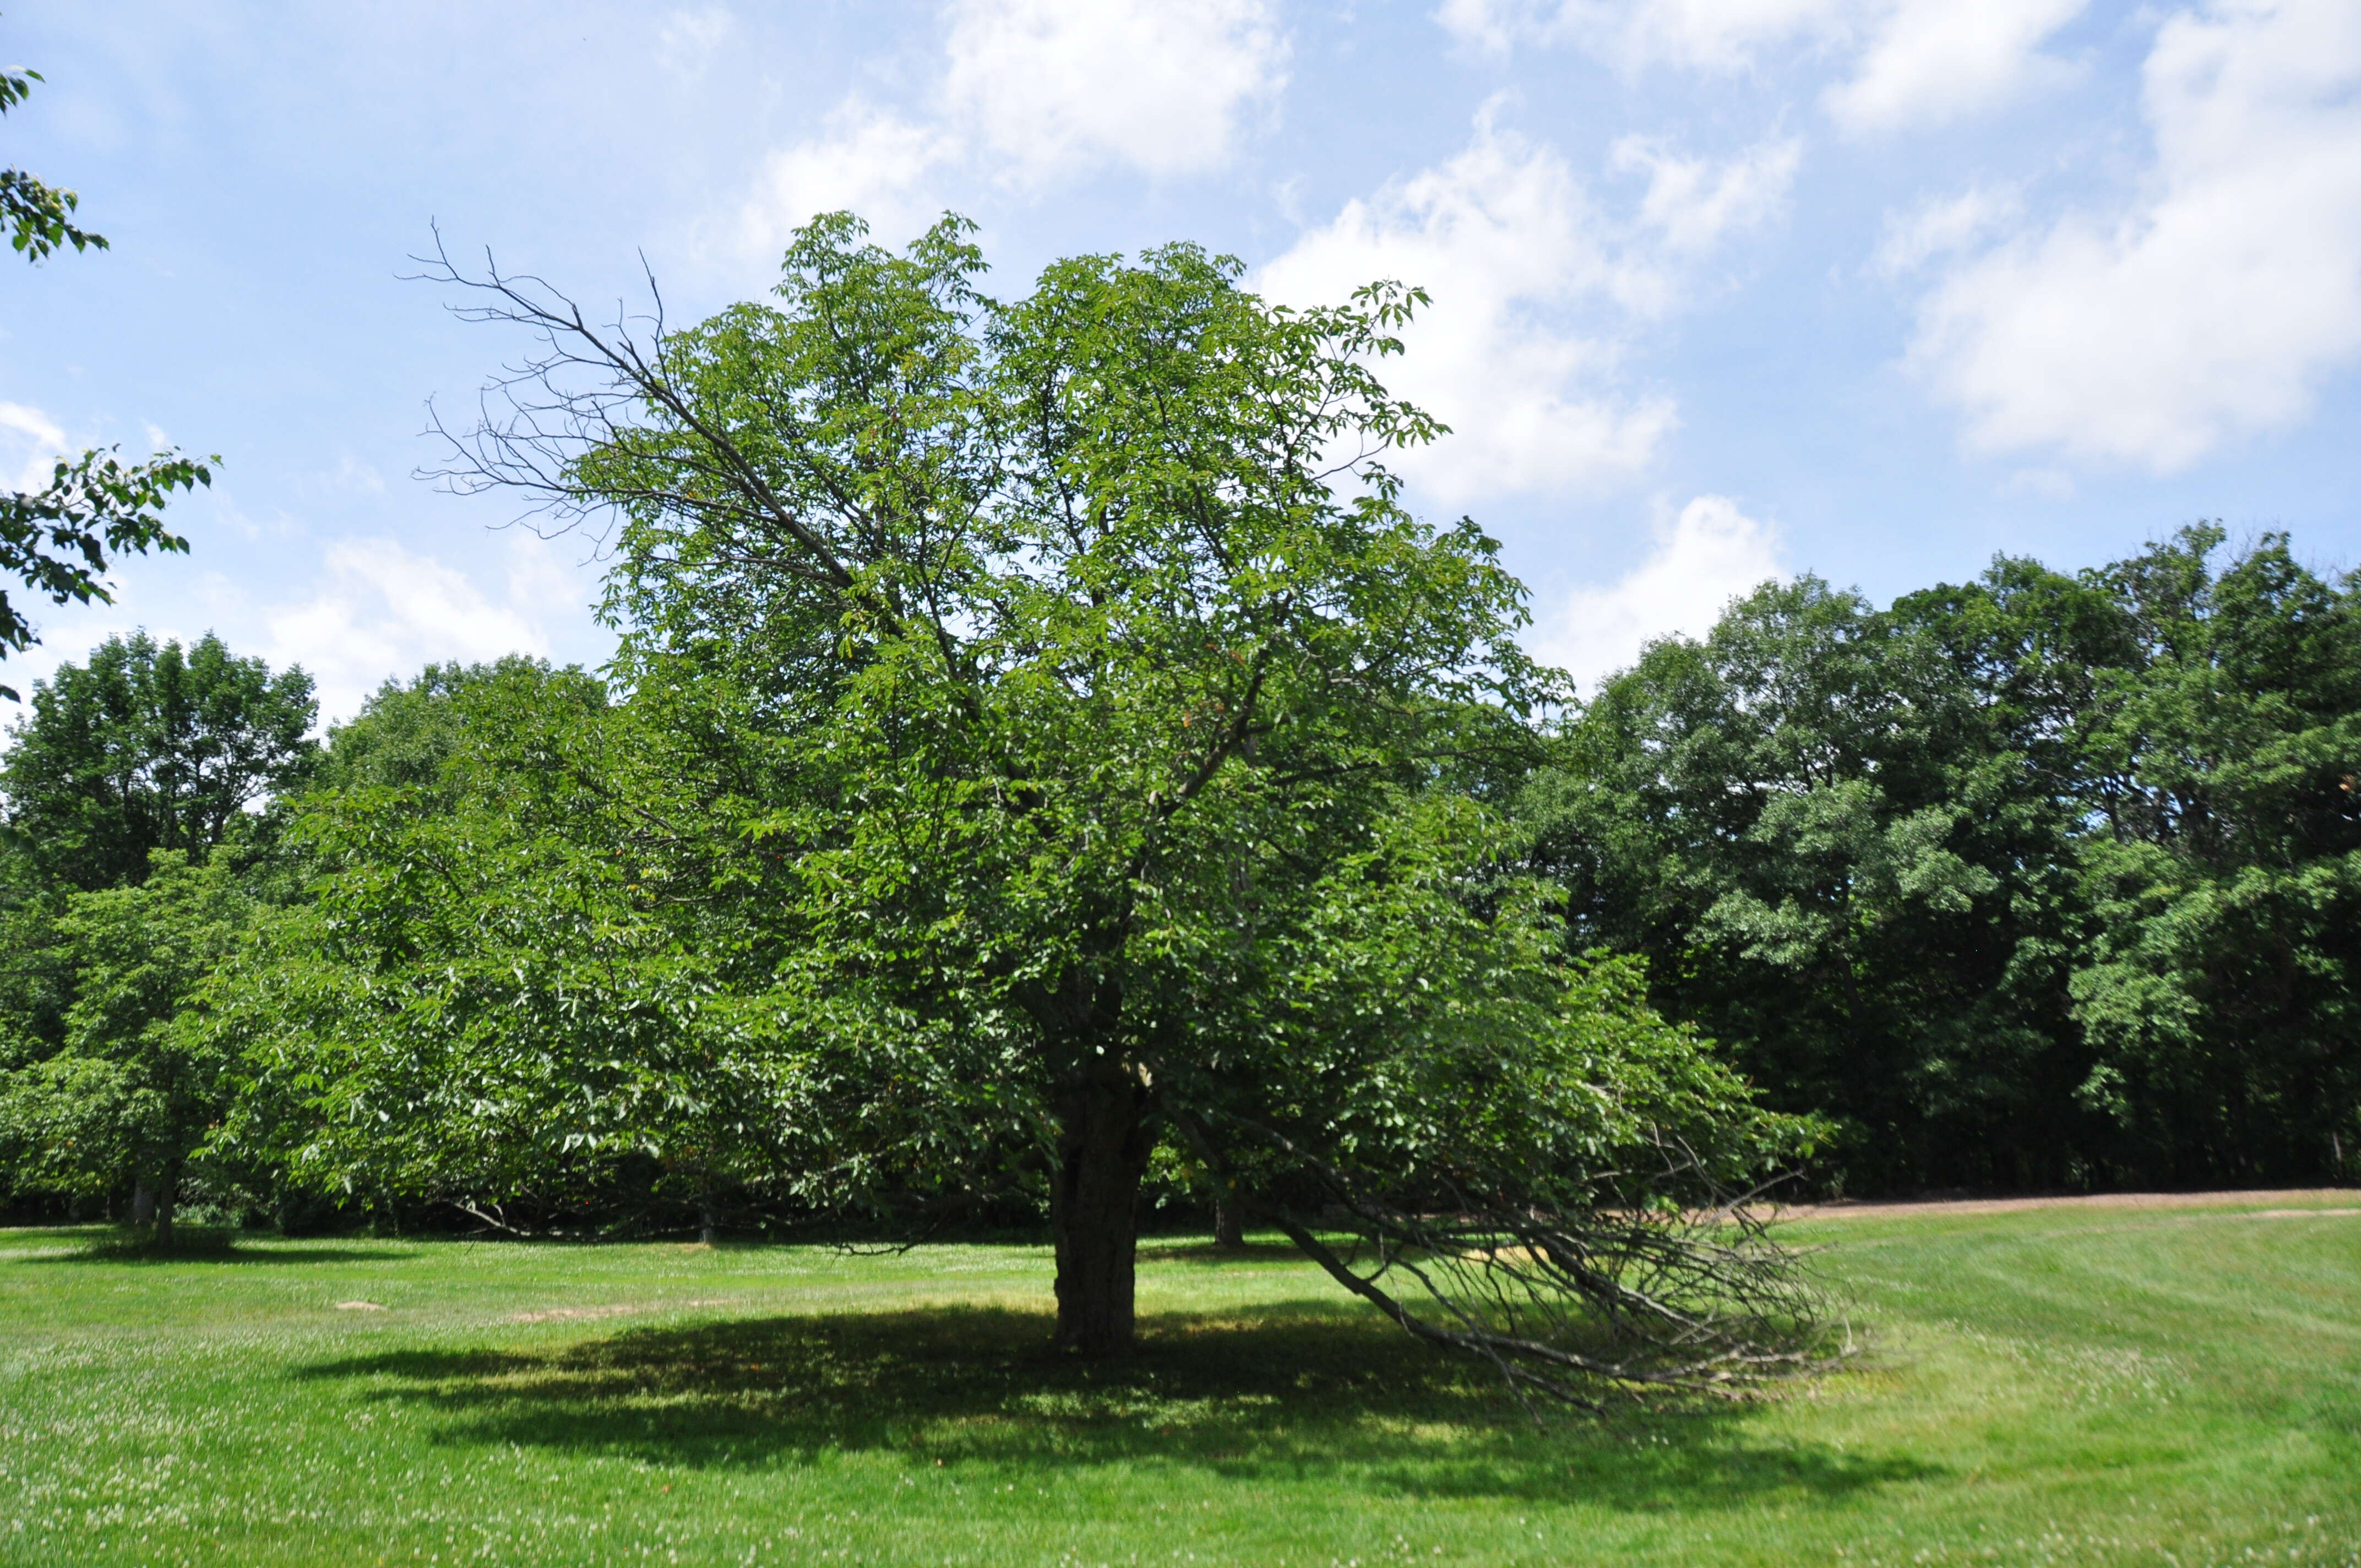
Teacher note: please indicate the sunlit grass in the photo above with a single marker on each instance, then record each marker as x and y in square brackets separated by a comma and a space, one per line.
[2052, 1386]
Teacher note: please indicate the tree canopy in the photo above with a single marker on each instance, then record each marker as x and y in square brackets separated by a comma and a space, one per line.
[2037, 881]
[1046, 736]
[132, 1085]
[149, 747]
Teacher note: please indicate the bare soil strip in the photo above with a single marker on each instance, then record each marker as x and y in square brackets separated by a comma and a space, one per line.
[617, 1309]
[2283, 1204]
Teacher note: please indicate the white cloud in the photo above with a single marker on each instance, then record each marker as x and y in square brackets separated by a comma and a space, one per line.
[1909, 62]
[1694, 203]
[1708, 555]
[2039, 485]
[371, 609]
[1719, 35]
[1492, 27]
[1535, 290]
[2214, 303]
[689, 38]
[352, 474]
[869, 160]
[381, 610]
[1932, 60]
[1034, 91]
[1722, 36]
[30, 443]
[1053, 87]
[1504, 238]
[1943, 226]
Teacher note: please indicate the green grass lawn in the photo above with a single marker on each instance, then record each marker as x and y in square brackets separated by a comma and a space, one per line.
[2084, 1386]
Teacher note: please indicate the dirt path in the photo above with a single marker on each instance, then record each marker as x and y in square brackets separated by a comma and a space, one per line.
[2283, 1204]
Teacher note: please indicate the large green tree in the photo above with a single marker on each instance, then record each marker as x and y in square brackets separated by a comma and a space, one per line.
[149, 756]
[1041, 736]
[147, 747]
[134, 1085]
[2221, 984]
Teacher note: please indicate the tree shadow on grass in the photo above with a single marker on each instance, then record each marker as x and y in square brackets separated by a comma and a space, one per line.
[1285, 1392]
[200, 1246]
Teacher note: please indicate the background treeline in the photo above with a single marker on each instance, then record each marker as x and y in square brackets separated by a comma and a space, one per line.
[2045, 881]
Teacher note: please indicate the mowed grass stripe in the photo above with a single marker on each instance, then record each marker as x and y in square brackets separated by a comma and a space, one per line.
[2164, 1387]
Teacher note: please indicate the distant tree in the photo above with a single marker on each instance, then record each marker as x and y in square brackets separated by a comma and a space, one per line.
[133, 1088]
[1819, 833]
[407, 731]
[55, 539]
[148, 747]
[504, 993]
[2041, 880]
[2221, 765]
[36, 968]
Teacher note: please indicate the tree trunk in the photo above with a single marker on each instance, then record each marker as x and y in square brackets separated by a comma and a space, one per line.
[707, 1231]
[1229, 1226]
[143, 1203]
[1103, 1147]
[166, 1192]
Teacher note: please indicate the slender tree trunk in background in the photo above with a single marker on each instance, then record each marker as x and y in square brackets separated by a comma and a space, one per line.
[1103, 1147]
[1229, 1226]
[706, 1228]
[167, 1191]
[143, 1202]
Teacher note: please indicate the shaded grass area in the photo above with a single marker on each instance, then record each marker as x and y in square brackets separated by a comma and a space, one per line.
[2178, 1388]
[1291, 1390]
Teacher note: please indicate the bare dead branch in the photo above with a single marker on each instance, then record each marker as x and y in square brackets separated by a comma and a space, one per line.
[1568, 1304]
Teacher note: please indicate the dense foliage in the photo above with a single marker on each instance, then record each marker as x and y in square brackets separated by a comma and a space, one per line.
[135, 1085]
[2039, 881]
[145, 748]
[138, 848]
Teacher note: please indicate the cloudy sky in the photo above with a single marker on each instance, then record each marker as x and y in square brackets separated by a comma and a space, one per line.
[1723, 289]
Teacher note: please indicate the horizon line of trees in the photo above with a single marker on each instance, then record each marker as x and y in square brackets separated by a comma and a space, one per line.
[2043, 882]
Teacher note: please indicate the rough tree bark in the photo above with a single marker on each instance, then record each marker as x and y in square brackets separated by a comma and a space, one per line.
[1229, 1224]
[1103, 1142]
[143, 1203]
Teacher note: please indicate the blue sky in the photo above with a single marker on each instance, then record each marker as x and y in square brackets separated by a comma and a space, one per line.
[1723, 289]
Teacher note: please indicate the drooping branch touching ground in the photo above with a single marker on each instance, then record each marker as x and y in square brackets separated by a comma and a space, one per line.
[1569, 1304]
